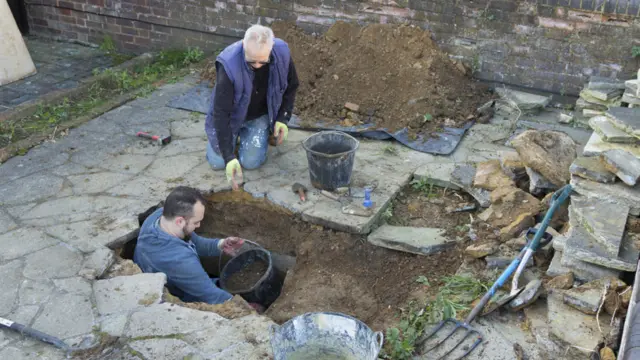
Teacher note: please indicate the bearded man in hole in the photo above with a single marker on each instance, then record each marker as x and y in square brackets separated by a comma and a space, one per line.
[256, 84]
[167, 243]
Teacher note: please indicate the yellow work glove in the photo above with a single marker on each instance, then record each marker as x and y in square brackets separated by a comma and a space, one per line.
[234, 173]
[281, 131]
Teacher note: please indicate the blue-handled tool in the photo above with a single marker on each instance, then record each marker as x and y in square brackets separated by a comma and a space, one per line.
[556, 200]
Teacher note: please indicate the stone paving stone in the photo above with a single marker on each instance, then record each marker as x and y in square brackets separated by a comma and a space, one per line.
[463, 176]
[625, 165]
[188, 129]
[96, 263]
[6, 222]
[205, 179]
[248, 329]
[580, 245]
[96, 183]
[127, 163]
[143, 186]
[29, 189]
[286, 198]
[587, 297]
[608, 132]
[169, 319]
[600, 82]
[23, 241]
[617, 193]
[603, 221]
[184, 146]
[294, 159]
[583, 271]
[172, 168]
[627, 119]
[24, 314]
[74, 169]
[114, 324]
[125, 293]
[421, 241]
[437, 174]
[57, 261]
[66, 316]
[31, 163]
[163, 348]
[11, 275]
[74, 285]
[81, 205]
[524, 101]
[592, 168]
[19, 352]
[597, 146]
[33, 292]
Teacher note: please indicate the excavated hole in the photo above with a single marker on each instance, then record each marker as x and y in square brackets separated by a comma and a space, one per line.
[322, 269]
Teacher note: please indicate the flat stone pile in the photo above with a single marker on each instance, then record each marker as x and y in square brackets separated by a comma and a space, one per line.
[599, 95]
[606, 178]
[631, 94]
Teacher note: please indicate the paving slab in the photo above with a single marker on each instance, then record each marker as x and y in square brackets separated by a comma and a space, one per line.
[184, 146]
[463, 176]
[250, 329]
[127, 163]
[57, 261]
[437, 174]
[582, 271]
[95, 183]
[11, 275]
[73, 285]
[587, 297]
[627, 119]
[421, 241]
[168, 319]
[609, 132]
[66, 316]
[19, 352]
[605, 83]
[114, 325]
[23, 241]
[31, 163]
[582, 246]
[33, 292]
[175, 167]
[163, 348]
[603, 94]
[625, 165]
[631, 99]
[617, 193]
[6, 222]
[603, 221]
[91, 235]
[29, 189]
[524, 101]
[592, 168]
[24, 315]
[189, 128]
[126, 293]
[96, 263]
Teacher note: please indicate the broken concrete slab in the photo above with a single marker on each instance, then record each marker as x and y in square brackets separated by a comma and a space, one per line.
[125, 293]
[421, 241]
[592, 168]
[526, 102]
[437, 174]
[169, 319]
[617, 193]
[96, 263]
[463, 176]
[574, 327]
[604, 221]
[528, 296]
[582, 246]
[548, 152]
[625, 165]
[489, 176]
[481, 250]
[597, 146]
[627, 119]
[538, 184]
[66, 316]
[609, 132]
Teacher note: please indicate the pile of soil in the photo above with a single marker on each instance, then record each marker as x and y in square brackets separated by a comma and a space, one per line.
[396, 75]
[247, 277]
[334, 271]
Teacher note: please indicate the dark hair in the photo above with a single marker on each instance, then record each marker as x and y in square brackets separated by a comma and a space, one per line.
[180, 202]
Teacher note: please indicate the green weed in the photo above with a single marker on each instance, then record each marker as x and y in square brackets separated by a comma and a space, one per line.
[427, 117]
[635, 51]
[390, 150]
[425, 187]
[423, 280]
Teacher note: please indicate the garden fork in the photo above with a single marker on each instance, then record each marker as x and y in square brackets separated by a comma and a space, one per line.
[558, 198]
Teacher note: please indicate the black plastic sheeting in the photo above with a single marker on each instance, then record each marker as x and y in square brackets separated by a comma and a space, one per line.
[444, 142]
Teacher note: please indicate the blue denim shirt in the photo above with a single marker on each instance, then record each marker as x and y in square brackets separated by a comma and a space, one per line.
[157, 251]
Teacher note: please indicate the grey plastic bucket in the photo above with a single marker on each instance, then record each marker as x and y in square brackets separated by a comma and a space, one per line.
[325, 335]
[330, 155]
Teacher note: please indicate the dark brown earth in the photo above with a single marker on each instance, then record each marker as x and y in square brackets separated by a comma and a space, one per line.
[246, 278]
[334, 271]
[396, 75]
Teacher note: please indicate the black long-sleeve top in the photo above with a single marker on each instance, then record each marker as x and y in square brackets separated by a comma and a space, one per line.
[223, 99]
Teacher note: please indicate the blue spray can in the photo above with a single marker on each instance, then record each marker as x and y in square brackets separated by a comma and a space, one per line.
[367, 198]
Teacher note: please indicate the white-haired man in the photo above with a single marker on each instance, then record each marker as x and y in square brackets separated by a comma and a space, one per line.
[255, 90]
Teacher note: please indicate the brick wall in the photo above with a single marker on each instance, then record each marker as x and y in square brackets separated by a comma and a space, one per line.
[545, 44]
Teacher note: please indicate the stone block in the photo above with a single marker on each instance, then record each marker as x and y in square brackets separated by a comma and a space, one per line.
[66, 316]
[548, 152]
[597, 146]
[582, 104]
[603, 221]
[125, 293]
[527, 102]
[592, 168]
[625, 165]
[463, 176]
[582, 246]
[169, 319]
[421, 241]
[627, 119]
[437, 174]
[589, 97]
[582, 271]
[616, 193]
[610, 133]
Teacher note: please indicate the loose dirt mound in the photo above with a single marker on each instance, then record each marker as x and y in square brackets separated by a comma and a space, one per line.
[334, 271]
[395, 73]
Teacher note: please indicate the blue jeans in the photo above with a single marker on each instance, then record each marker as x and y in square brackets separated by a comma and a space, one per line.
[254, 136]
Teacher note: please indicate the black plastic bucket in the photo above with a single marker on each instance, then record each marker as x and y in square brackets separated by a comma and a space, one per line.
[266, 290]
[331, 155]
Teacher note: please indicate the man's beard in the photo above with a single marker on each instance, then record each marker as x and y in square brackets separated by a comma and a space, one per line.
[187, 235]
